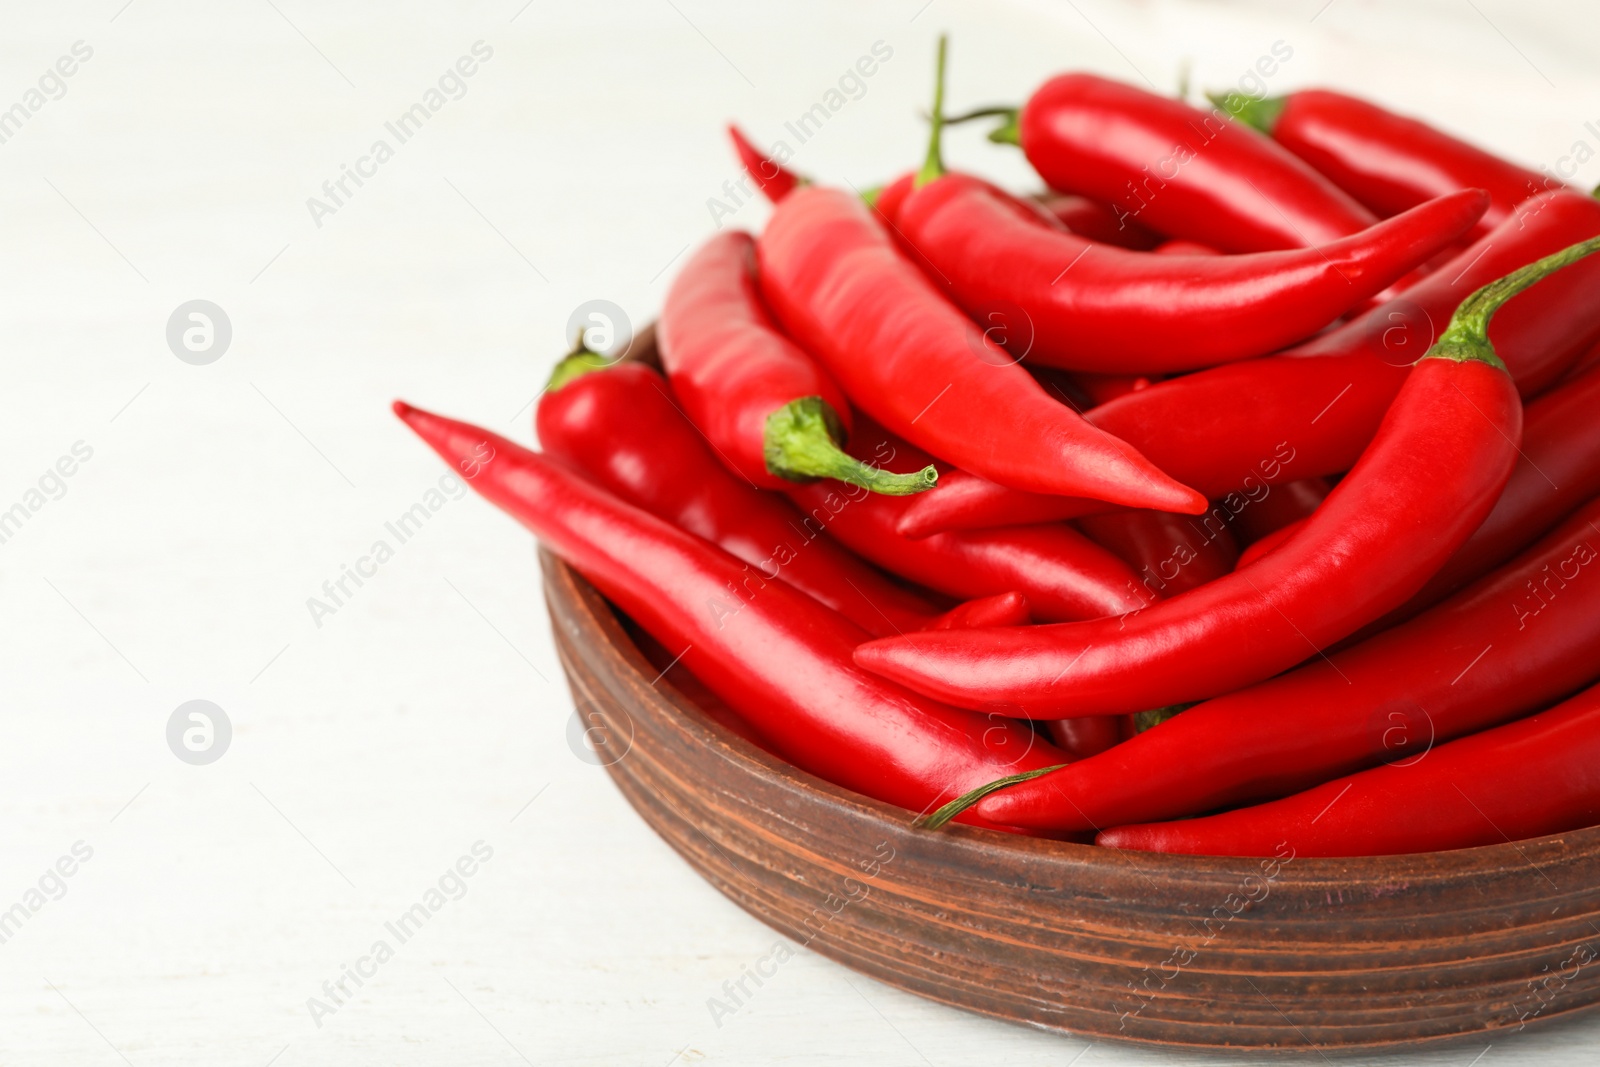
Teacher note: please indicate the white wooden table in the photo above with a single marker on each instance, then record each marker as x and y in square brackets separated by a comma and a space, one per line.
[378, 740]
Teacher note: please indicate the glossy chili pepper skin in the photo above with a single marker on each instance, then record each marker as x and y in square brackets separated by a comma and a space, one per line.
[1098, 221]
[1002, 609]
[773, 179]
[1390, 162]
[1170, 553]
[776, 656]
[1181, 171]
[922, 369]
[729, 365]
[964, 501]
[1235, 431]
[1310, 412]
[1526, 779]
[1557, 470]
[1271, 543]
[1430, 476]
[1062, 574]
[1090, 306]
[768, 410]
[621, 427]
[1512, 642]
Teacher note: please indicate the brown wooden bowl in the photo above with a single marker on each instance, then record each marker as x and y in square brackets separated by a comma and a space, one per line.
[1167, 950]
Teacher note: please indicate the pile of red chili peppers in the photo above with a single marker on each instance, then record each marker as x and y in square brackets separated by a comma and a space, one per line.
[1238, 488]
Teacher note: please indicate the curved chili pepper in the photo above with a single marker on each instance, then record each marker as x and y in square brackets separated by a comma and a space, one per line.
[1386, 161]
[770, 412]
[921, 368]
[619, 425]
[1430, 477]
[1089, 306]
[1312, 416]
[1172, 554]
[1098, 221]
[966, 502]
[1287, 417]
[1063, 574]
[776, 656]
[1282, 506]
[1179, 170]
[1558, 468]
[1512, 642]
[1002, 609]
[774, 179]
[1526, 779]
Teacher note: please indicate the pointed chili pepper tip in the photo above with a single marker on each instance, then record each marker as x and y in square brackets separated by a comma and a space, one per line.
[402, 409]
[1466, 338]
[1260, 113]
[971, 797]
[801, 442]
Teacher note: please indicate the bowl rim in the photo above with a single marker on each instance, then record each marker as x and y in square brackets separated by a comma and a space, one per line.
[1415, 868]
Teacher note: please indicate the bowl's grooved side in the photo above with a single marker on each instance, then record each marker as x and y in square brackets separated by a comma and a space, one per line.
[1331, 953]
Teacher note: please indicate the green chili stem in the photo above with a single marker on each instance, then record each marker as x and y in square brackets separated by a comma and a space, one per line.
[1467, 336]
[1261, 113]
[802, 442]
[933, 165]
[968, 799]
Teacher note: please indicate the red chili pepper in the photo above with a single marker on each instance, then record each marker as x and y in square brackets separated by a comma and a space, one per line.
[1312, 416]
[1510, 643]
[966, 502]
[1526, 779]
[1280, 506]
[776, 656]
[1063, 574]
[917, 365]
[1271, 543]
[1083, 305]
[839, 287]
[1431, 475]
[1098, 221]
[1067, 301]
[1179, 170]
[768, 410]
[1286, 417]
[1002, 609]
[774, 180]
[619, 424]
[1386, 161]
[1172, 554]
[1558, 468]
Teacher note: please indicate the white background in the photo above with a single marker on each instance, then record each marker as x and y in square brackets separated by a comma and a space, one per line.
[424, 715]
